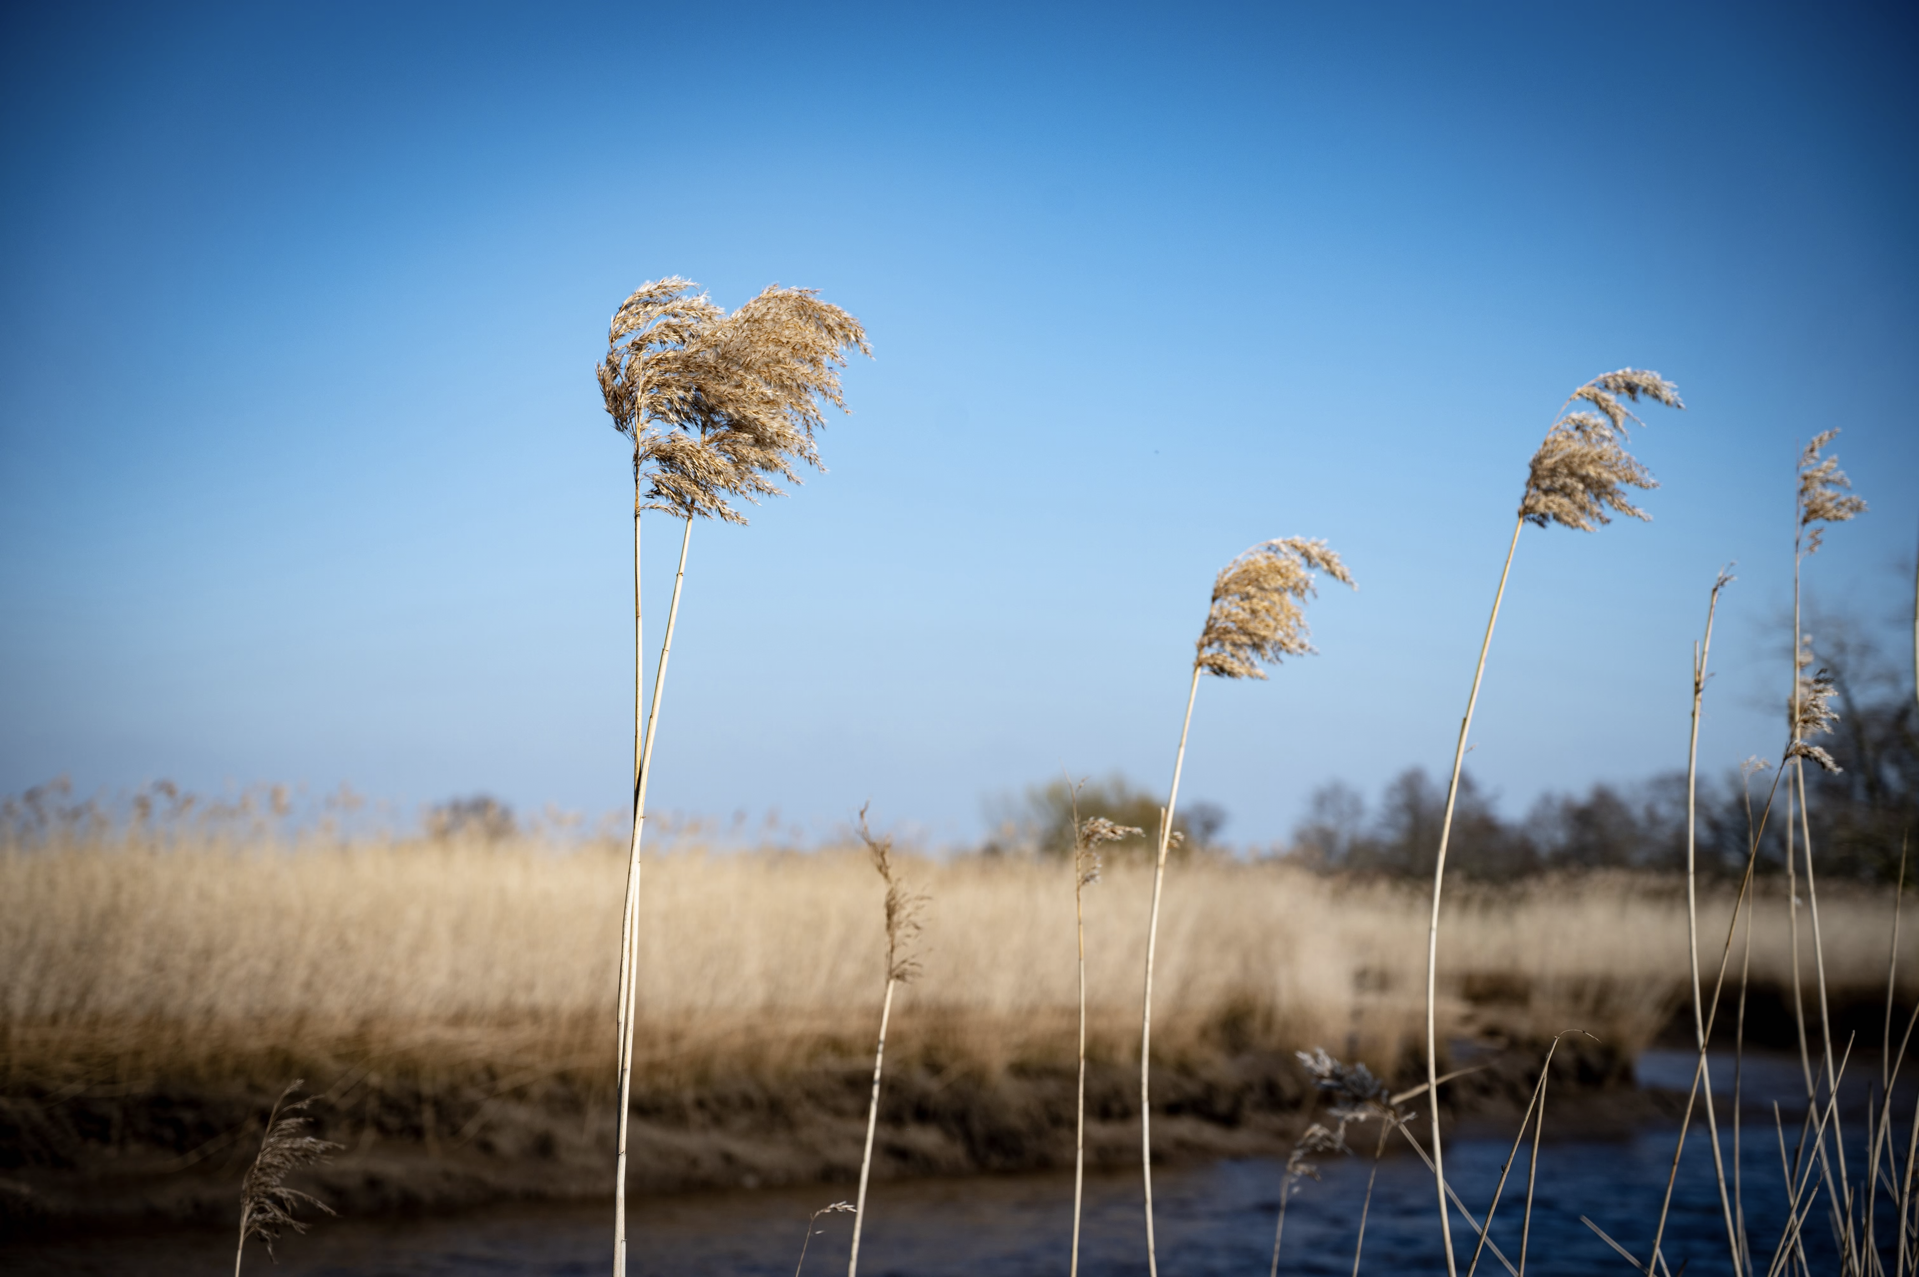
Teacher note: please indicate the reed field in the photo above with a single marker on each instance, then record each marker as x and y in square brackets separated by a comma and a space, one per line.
[126, 963]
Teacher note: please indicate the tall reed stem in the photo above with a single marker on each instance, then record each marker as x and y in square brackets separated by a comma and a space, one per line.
[872, 1121]
[1837, 1199]
[1702, 1077]
[1439, 881]
[1146, 1007]
[1079, 1128]
[629, 930]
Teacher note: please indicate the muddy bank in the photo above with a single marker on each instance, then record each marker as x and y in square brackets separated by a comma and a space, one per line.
[154, 1152]
[148, 1150]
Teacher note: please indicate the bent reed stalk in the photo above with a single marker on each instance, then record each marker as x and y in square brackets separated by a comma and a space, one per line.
[1702, 1077]
[717, 408]
[1088, 837]
[1255, 617]
[1577, 475]
[903, 908]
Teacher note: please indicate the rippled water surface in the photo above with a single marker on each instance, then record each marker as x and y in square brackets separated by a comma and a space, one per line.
[1212, 1219]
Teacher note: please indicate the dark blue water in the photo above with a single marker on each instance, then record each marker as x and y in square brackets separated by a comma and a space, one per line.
[1212, 1219]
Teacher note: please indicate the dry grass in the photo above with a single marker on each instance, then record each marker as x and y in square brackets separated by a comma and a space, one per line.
[440, 957]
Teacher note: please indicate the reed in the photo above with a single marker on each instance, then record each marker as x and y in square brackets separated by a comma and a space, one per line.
[1579, 474]
[1702, 1075]
[1088, 837]
[267, 1201]
[1821, 498]
[717, 407]
[903, 909]
[837, 1208]
[1535, 1105]
[1256, 616]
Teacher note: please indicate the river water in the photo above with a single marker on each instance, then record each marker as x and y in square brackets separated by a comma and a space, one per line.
[1212, 1219]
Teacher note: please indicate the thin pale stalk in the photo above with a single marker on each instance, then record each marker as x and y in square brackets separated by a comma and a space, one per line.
[1432, 934]
[1785, 1170]
[1513, 1156]
[1279, 1229]
[1719, 983]
[1905, 1194]
[1882, 1134]
[639, 764]
[1532, 1179]
[1738, 1083]
[1702, 655]
[1458, 1205]
[1792, 895]
[240, 1250]
[1818, 942]
[872, 1122]
[1794, 1196]
[1146, 1007]
[1366, 1206]
[630, 983]
[1886, 1124]
[1792, 880]
[1079, 1126]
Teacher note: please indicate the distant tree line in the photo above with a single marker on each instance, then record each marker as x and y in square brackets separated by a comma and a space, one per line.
[1858, 815]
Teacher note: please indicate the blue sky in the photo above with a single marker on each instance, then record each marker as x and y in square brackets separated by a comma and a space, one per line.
[304, 475]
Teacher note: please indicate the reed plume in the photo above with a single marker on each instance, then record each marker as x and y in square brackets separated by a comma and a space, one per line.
[903, 909]
[718, 408]
[1316, 1140]
[1577, 476]
[1256, 615]
[837, 1208]
[1822, 497]
[1088, 837]
[1357, 1096]
[267, 1203]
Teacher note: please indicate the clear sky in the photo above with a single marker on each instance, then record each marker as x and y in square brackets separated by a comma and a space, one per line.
[304, 475]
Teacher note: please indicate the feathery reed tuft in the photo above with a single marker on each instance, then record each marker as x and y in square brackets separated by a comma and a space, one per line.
[1582, 466]
[266, 1202]
[837, 1208]
[1094, 832]
[1824, 495]
[903, 907]
[1256, 614]
[719, 406]
[1812, 712]
[1357, 1097]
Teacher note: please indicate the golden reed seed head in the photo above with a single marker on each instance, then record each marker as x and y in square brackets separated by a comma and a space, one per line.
[1811, 712]
[1256, 614]
[266, 1203]
[1093, 832]
[720, 406]
[1582, 467]
[1824, 495]
[903, 907]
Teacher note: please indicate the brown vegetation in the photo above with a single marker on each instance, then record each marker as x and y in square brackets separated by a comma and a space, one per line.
[445, 999]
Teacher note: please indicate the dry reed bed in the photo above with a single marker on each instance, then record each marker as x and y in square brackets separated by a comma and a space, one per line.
[453, 957]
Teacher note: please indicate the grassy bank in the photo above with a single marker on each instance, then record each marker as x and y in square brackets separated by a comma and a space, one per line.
[453, 1003]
